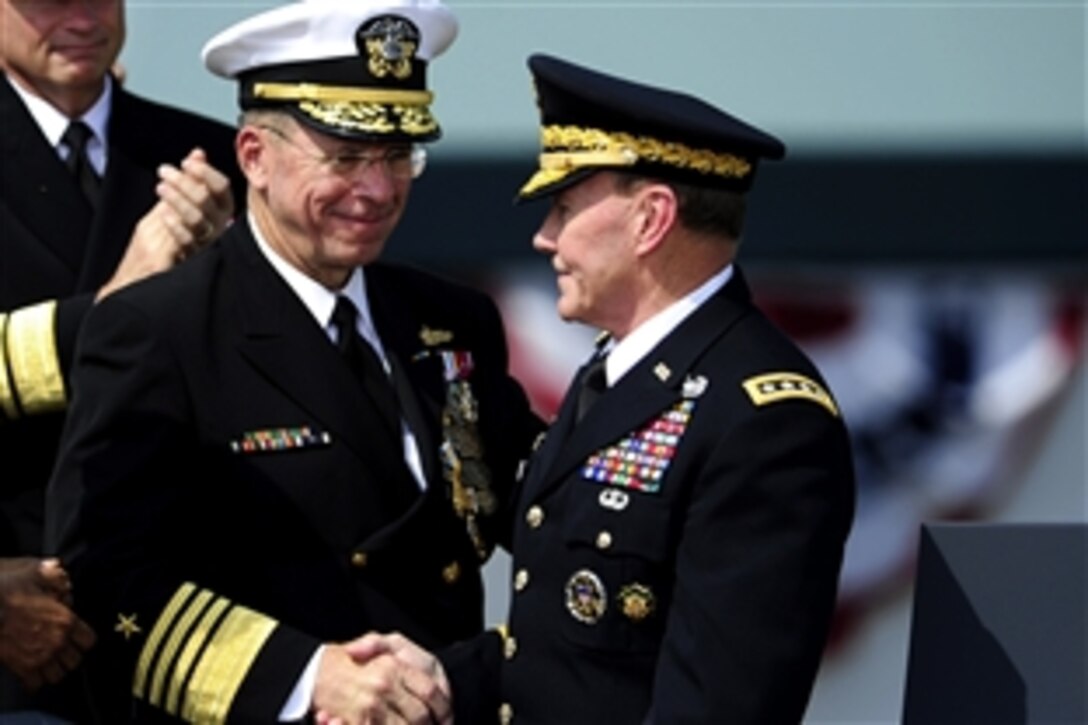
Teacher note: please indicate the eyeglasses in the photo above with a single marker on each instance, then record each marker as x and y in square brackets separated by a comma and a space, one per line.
[403, 162]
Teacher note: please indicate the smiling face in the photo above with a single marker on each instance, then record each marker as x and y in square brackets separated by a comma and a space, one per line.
[61, 49]
[323, 220]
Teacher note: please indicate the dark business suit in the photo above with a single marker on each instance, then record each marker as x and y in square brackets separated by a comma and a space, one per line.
[316, 534]
[702, 595]
[55, 249]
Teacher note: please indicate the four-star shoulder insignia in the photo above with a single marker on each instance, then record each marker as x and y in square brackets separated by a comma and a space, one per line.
[774, 387]
[126, 626]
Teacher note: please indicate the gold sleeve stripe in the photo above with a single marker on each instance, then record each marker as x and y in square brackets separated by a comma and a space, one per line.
[32, 354]
[193, 644]
[179, 632]
[775, 387]
[224, 665]
[162, 627]
[7, 393]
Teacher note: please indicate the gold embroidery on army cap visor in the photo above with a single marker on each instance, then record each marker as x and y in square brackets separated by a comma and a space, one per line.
[569, 148]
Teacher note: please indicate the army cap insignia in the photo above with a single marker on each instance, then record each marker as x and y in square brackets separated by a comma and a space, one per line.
[637, 601]
[775, 387]
[586, 597]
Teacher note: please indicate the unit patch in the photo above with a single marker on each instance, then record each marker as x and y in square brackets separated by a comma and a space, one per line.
[775, 387]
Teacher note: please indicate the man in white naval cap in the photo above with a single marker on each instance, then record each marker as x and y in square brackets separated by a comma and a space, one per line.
[287, 444]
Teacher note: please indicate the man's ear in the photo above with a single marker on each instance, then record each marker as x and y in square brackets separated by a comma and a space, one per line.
[654, 216]
[252, 153]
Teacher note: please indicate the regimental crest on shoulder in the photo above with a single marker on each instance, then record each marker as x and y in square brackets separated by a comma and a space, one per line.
[389, 43]
[776, 387]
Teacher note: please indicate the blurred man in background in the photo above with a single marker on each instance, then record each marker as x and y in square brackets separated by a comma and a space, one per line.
[98, 188]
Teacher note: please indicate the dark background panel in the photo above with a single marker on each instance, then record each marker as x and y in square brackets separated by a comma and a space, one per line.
[979, 209]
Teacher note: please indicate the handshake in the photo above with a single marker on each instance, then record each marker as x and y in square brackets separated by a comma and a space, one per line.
[380, 679]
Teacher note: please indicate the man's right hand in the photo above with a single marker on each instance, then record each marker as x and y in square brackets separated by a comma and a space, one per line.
[381, 689]
[195, 206]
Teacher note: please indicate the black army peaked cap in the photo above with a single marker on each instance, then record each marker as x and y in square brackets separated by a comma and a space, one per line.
[592, 121]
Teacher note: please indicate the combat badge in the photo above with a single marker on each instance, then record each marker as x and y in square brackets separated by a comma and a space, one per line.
[586, 598]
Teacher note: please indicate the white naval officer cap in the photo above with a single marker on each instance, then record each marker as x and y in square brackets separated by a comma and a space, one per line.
[350, 69]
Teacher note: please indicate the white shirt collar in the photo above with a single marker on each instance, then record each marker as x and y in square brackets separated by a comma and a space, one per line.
[625, 355]
[320, 300]
[53, 123]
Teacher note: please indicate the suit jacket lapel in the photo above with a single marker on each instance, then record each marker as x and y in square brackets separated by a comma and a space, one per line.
[650, 387]
[128, 191]
[36, 187]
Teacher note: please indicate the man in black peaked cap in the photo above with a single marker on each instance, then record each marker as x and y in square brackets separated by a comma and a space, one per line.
[678, 536]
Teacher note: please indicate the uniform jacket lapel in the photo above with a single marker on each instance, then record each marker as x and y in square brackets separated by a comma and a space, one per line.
[419, 387]
[650, 387]
[284, 343]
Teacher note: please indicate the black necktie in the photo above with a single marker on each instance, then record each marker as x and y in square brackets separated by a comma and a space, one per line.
[364, 362]
[593, 382]
[79, 164]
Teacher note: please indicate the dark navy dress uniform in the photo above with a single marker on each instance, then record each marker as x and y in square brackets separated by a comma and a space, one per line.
[228, 495]
[227, 498]
[676, 551]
